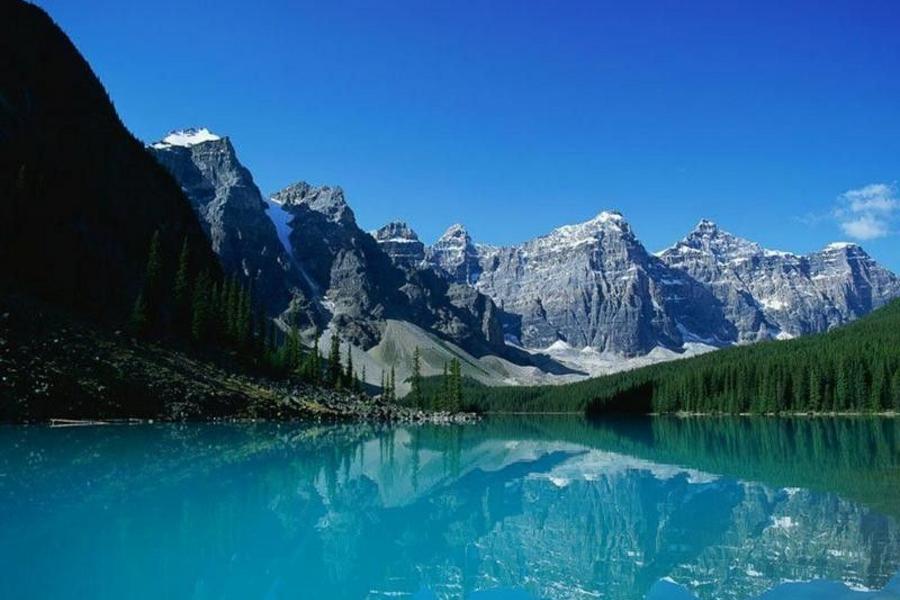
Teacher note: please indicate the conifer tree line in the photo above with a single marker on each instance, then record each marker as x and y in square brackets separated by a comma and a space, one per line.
[854, 368]
[389, 385]
[209, 312]
[446, 395]
[202, 309]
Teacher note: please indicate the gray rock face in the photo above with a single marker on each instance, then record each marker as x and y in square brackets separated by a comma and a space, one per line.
[768, 293]
[232, 213]
[455, 255]
[401, 243]
[591, 284]
[356, 281]
[364, 282]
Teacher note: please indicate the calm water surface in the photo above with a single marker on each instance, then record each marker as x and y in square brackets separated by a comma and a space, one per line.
[541, 507]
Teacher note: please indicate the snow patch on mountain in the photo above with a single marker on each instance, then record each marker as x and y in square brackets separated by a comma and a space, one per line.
[840, 246]
[595, 362]
[186, 138]
[282, 221]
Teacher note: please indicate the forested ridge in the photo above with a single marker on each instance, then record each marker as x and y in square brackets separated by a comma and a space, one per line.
[855, 368]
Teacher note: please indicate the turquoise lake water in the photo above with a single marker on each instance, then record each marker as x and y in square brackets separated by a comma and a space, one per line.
[538, 507]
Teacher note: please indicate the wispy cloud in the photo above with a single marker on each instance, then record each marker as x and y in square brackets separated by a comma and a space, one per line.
[869, 212]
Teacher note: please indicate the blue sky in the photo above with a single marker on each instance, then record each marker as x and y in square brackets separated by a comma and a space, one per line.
[516, 117]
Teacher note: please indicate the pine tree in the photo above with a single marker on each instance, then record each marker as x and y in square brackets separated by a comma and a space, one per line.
[334, 361]
[842, 387]
[349, 375]
[230, 302]
[877, 392]
[201, 308]
[273, 338]
[139, 322]
[182, 291]
[416, 391]
[215, 326]
[146, 313]
[362, 379]
[316, 374]
[815, 389]
[264, 330]
[153, 281]
[895, 390]
[444, 397]
[456, 399]
[260, 329]
[291, 359]
[392, 386]
[244, 319]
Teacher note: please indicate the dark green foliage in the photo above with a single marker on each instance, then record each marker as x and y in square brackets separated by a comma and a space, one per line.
[314, 362]
[446, 392]
[416, 379]
[139, 322]
[244, 319]
[153, 284]
[334, 362]
[291, 351]
[392, 386]
[455, 390]
[181, 305]
[852, 368]
[349, 374]
[146, 315]
[895, 391]
[443, 396]
[203, 310]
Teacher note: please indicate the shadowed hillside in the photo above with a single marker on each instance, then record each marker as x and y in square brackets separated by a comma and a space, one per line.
[80, 198]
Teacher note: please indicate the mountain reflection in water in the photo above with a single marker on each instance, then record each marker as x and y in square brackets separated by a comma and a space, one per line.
[537, 507]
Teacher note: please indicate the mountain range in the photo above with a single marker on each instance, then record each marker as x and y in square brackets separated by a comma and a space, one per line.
[584, 299]
[85, 198]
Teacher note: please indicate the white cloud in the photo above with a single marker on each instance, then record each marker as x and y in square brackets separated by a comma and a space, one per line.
[865, 228]
[876, 197]
[868, 213]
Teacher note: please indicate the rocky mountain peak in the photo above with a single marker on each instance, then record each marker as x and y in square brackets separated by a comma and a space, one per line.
[326, 200]
[401, 243]
[718, 245]
[455, 255]
[843, 247]
[232, 212]
[606, 225]
[398, 231]
[456, 232]
[706, 227]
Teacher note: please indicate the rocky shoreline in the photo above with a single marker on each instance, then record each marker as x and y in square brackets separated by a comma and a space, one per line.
[54, 369]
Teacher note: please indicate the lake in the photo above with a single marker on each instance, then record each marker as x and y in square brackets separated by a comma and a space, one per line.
[512, 507]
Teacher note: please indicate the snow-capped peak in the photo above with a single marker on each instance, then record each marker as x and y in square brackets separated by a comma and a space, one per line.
[588, 229]
[841, 246]
[455, 231]
[708, 238]
[706, 226]
[187, 138]
[608, 216]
